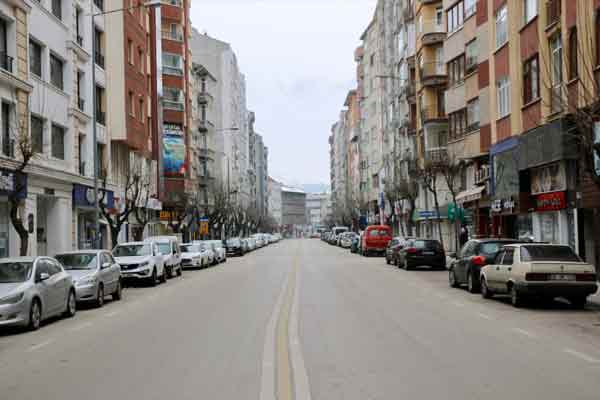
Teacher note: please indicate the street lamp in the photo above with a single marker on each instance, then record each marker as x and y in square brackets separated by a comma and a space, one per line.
[149, 4]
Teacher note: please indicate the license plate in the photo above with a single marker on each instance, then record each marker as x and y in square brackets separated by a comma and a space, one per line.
[562, 277]
[428, 253]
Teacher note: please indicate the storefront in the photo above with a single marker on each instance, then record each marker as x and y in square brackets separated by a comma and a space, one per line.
[8, 184]
[505, 190]
[84, 216]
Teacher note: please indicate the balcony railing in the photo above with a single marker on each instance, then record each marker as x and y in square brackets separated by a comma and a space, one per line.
[99, 4]
[169, 35]
[81, 104]
[167, 70]
[553, 11]
[432, 69]
[172, 105]
[99, 59]
[101, 117]
[432, 113]
[6, 62]
[436, 155]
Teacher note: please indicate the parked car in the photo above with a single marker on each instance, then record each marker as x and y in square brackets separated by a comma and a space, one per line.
[245, 245]
[375, 239]
[95, 274]
[392, 249]
[539, 270]
[235, 247]
[324, 235]
[259, 240]
[207, 247]
[33, 289]
[419, 252]
[474, 255]
[193, 256]
[346, 239]
[220, 251]
[251, 244]
[169, 248]
[141, 261]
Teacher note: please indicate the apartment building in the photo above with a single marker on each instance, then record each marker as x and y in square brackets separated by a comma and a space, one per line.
[274, 199]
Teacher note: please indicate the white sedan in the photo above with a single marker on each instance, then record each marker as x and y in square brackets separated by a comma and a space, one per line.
[194, 256]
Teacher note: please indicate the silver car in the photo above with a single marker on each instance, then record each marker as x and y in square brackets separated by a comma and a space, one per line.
[95, 274]
[33, 289]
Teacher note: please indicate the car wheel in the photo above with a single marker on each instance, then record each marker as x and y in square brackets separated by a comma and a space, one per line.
[100, 296]
[407, 267]
[179, 272]
[515, 297]
[387, 260]
[163, 277]
[35, 315]
[154, 277]
[471, 284]
[71, 305]
[169, 272]
[452, 279]
[118, 294]
[486, 293]
[578, 302]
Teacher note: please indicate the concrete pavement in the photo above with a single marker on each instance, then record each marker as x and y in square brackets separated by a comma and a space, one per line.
[305, 320]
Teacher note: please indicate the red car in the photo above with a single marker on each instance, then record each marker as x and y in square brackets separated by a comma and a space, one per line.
[375, 239]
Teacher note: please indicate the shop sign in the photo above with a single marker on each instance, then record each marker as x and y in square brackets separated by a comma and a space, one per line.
[549, 178]
[551, 201]
[428, 214]
[500, 205]
[83, 196]
[11, 181]
[168, 215]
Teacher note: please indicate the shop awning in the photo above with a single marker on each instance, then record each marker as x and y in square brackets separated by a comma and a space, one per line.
[470, 195]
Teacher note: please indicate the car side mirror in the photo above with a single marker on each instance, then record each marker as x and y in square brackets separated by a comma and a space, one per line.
[106, 265]
[44, 276]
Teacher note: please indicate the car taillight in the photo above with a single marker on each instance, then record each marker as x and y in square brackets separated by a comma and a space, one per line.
[478, 260]
[586, 277]
[536, 276]
[411, 250]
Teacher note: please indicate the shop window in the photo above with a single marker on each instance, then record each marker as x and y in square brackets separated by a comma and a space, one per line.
[549, 227]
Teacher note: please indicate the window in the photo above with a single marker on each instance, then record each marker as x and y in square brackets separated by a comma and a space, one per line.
[56, 71]
[531, 90]
[471, 56]
[100, 106]
[470, 7]
[173, 98]
[457, 123]
[35, 58]
[57, 8]
[508, 256]
[131, 104]
[99, 56]
[141, 58]
[372, 59]
[556, 72]
[530, 10]
[503, 97]
[5, 59]
[501, 26]
[58, 142]
[473, 115]
[455, 16]
[573, 48]
[456, 70]
[37, 134]
[142, 110]
[7, 141]
[130, 51]
[172, 64]
[439, 16]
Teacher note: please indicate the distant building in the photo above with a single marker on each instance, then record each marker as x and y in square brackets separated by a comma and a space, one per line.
[317, 205]
[293, 208]
[274, 199]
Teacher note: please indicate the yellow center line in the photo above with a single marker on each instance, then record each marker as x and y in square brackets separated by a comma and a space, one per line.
[284, 371]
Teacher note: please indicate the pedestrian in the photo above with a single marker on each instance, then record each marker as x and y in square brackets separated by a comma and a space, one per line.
[464, 235]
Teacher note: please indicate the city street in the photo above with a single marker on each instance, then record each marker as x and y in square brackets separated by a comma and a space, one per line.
[305, 320]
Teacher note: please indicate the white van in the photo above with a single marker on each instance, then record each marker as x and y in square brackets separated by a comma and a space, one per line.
[169, 247]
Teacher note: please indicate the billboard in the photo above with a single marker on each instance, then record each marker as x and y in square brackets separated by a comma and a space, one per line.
[173, 150]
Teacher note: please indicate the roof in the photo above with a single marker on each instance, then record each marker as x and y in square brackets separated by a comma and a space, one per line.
[292, 190]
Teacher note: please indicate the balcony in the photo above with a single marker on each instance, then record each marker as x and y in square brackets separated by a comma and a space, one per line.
[432, 114]
[432, 32]
[170, 35]
[6, 62]
[168, 70]
[433, 73]
[553, 12]
[173, 105]
[99, 4]
[101, 117]
[438, 155]
[99, 58]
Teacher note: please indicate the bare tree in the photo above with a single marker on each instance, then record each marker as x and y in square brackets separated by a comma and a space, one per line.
[452, 170]
[429, 175]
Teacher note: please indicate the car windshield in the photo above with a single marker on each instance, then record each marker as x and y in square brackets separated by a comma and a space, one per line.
[378, 232]
[15, 272]
[233, 242]
[129, 250]
[191, 248]
[491, 248]
[164, 248]
[217, 243]
[548, 253]
[427, 244]
[78, 261]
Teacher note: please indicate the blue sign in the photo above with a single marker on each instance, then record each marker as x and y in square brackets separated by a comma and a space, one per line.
[83, 196]
[428, 214]
[11, 182]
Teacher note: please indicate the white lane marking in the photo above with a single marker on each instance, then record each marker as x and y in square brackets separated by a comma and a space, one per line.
[40, 345]
[582, 356]
[525, 333]
[301, 384]
[81, 327]
[484, 316]
[267, 383]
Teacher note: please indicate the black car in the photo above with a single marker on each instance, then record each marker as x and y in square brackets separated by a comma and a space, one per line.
[475, 254]
[418, 252]
[392, 249]
[235, 247]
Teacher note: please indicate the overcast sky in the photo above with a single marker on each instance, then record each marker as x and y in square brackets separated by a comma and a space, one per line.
[297, 56]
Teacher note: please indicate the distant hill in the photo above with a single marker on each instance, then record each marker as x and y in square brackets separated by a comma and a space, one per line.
[315, 187]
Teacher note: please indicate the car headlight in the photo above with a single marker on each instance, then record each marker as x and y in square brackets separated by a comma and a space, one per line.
[88, 280]
[144, 264]
[13, 299]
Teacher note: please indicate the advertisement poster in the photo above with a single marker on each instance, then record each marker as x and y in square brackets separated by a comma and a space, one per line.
[173, 151]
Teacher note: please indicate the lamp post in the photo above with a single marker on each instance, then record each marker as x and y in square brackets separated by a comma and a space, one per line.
[149, 4]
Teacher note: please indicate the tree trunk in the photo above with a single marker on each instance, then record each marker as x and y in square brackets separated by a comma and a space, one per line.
[114, 235]
[17, 223]
[438, 220]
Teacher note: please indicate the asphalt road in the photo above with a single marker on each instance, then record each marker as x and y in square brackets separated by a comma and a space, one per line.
[304, 320]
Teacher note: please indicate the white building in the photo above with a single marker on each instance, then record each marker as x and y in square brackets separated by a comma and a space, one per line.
[316, 209]
[274, 199]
